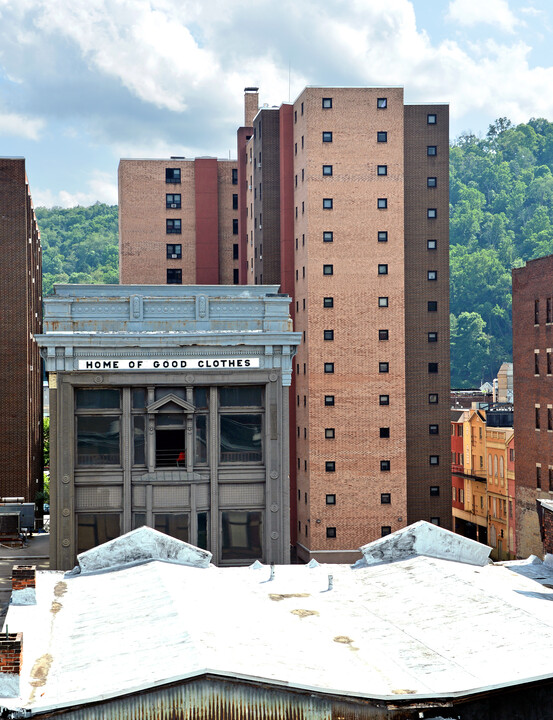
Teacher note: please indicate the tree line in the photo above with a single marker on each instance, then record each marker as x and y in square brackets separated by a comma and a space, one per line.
[501, 214]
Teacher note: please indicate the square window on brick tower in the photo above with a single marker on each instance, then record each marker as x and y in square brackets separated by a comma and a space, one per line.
[431, 244]
[234, 176]
[433, 429]
[328, 302]
[330, 433]
[432, 306]
[174, 276]
[383, 367]
[329, 400]
[434, 491]
[381, 169]
[382, 269]
[328, 269]
[385, 530]
[384, 399]
[382, 203]
[235, 227]
[330, 466]
[235, 201]
[431, 150]
[434, 459]
[327, 203]
[173, 201]
[235, 251]
[385, 498]
[384, 432]
[382, 236]
[382, 302]
[331, 499]
[329, 368]
[327, 103]
[327, 136]
[431, 119]
[433, 398]
[327, 169]
[331, 532]
[174, 252]
[381, 136]
[435, 521]
[328, 334]
[432, 337]
[431, 182]
[383, 334]
[382, 103]
[432, 213]
[384, 466]
[173, 226]
[172, 175]
[433, 367]
[328, 236]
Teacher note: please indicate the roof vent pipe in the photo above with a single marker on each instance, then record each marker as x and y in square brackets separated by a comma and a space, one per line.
[272, 572]
[330, 582]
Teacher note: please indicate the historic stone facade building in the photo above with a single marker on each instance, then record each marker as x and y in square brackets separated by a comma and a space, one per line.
[169, 407]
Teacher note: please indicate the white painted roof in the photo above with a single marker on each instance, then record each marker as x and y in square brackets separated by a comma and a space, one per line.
[422, 626]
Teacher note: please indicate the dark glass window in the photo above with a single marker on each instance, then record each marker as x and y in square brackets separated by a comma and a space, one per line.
[327, 103]
[235, 251]
[385, 466]
[138, 398]
[241, 438]
[235, 227]
[97, 399]
[235, 201]
[172, 175]
[138, 439]
[434, 491]
[176, 525]
[328, 334]
[431, 182]
[385, 498]
[331, 532]
[328, 302]
[327, 170]
[431, 213]
[200, 439]
[384, 432]
[383, 367]
[235, 276]
[432, 306]
[329, 367]
[381, 169]
[381, 136]
[384, 399]
[97, 440]
[328, 236]
[432, 367]
[433, 398]
[174, 276]
[96, 529]
[431, 119]
[329, 400]
[234, 176]
[241, 395]
[385, 530]
[431, 244]
[432, 337]
[330, 466]
[242, 534]
[383, 335]
[331, 499]
[327, 136]
[382, 103]
[431, 150]
[329, 433]
[382, 203]
[382, 236]
[327, 203]
[328, 269]
[432, 274]
[173, 226]
[382, 269]
[433, 429]
[434, 459]
[173, 201]
[382, 302]
[174, 252]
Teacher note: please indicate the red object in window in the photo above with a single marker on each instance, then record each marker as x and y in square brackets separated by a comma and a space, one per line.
[181, 458]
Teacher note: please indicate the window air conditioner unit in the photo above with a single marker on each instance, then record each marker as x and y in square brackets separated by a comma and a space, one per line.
[173, 205]
[258, 164]
[249, 187]
[174, 257]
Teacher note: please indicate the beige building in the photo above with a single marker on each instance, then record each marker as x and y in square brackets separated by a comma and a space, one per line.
[178, 221]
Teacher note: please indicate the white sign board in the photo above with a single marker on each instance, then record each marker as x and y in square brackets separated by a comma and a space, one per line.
[163, 363]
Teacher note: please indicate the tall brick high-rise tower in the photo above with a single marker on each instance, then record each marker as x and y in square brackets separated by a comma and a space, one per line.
[20, 320]
[347, 206]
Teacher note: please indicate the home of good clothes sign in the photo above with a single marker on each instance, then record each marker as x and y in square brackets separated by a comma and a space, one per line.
[164, 363]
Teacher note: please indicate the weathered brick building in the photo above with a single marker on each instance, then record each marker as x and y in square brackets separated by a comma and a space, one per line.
[20, 319]
[533, 410]
[342, 199]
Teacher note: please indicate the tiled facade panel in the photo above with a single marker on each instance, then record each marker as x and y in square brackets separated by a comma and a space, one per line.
[20, 319]
[266, 178]
[420, 265]
[533, 393]
[355, 286]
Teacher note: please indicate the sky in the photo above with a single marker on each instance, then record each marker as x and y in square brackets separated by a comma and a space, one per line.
[86, 82]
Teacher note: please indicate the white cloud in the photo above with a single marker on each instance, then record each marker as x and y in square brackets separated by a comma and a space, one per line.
[21, 126]
[102, 187]
[477, 12]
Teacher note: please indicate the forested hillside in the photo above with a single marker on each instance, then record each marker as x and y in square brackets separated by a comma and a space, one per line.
[501, 215]
[79, 245]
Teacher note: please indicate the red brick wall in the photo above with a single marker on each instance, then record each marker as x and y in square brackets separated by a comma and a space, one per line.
[20, 319]
[23, 576]
[547, 531]
[11, 653]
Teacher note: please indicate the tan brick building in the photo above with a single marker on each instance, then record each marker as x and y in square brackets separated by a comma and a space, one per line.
[343, 201]
[20, 320]
[178, 221]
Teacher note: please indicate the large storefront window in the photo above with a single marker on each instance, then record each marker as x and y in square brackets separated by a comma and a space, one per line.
[200, 447]
[96, 528]
[98, 440]
[241, 438]
[242, 533]
[176, 525]
[170, 440]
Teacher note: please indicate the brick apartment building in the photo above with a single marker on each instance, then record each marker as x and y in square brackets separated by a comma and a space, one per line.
[533, 413]
[20, 319]
[343, 201]
[178, 221]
